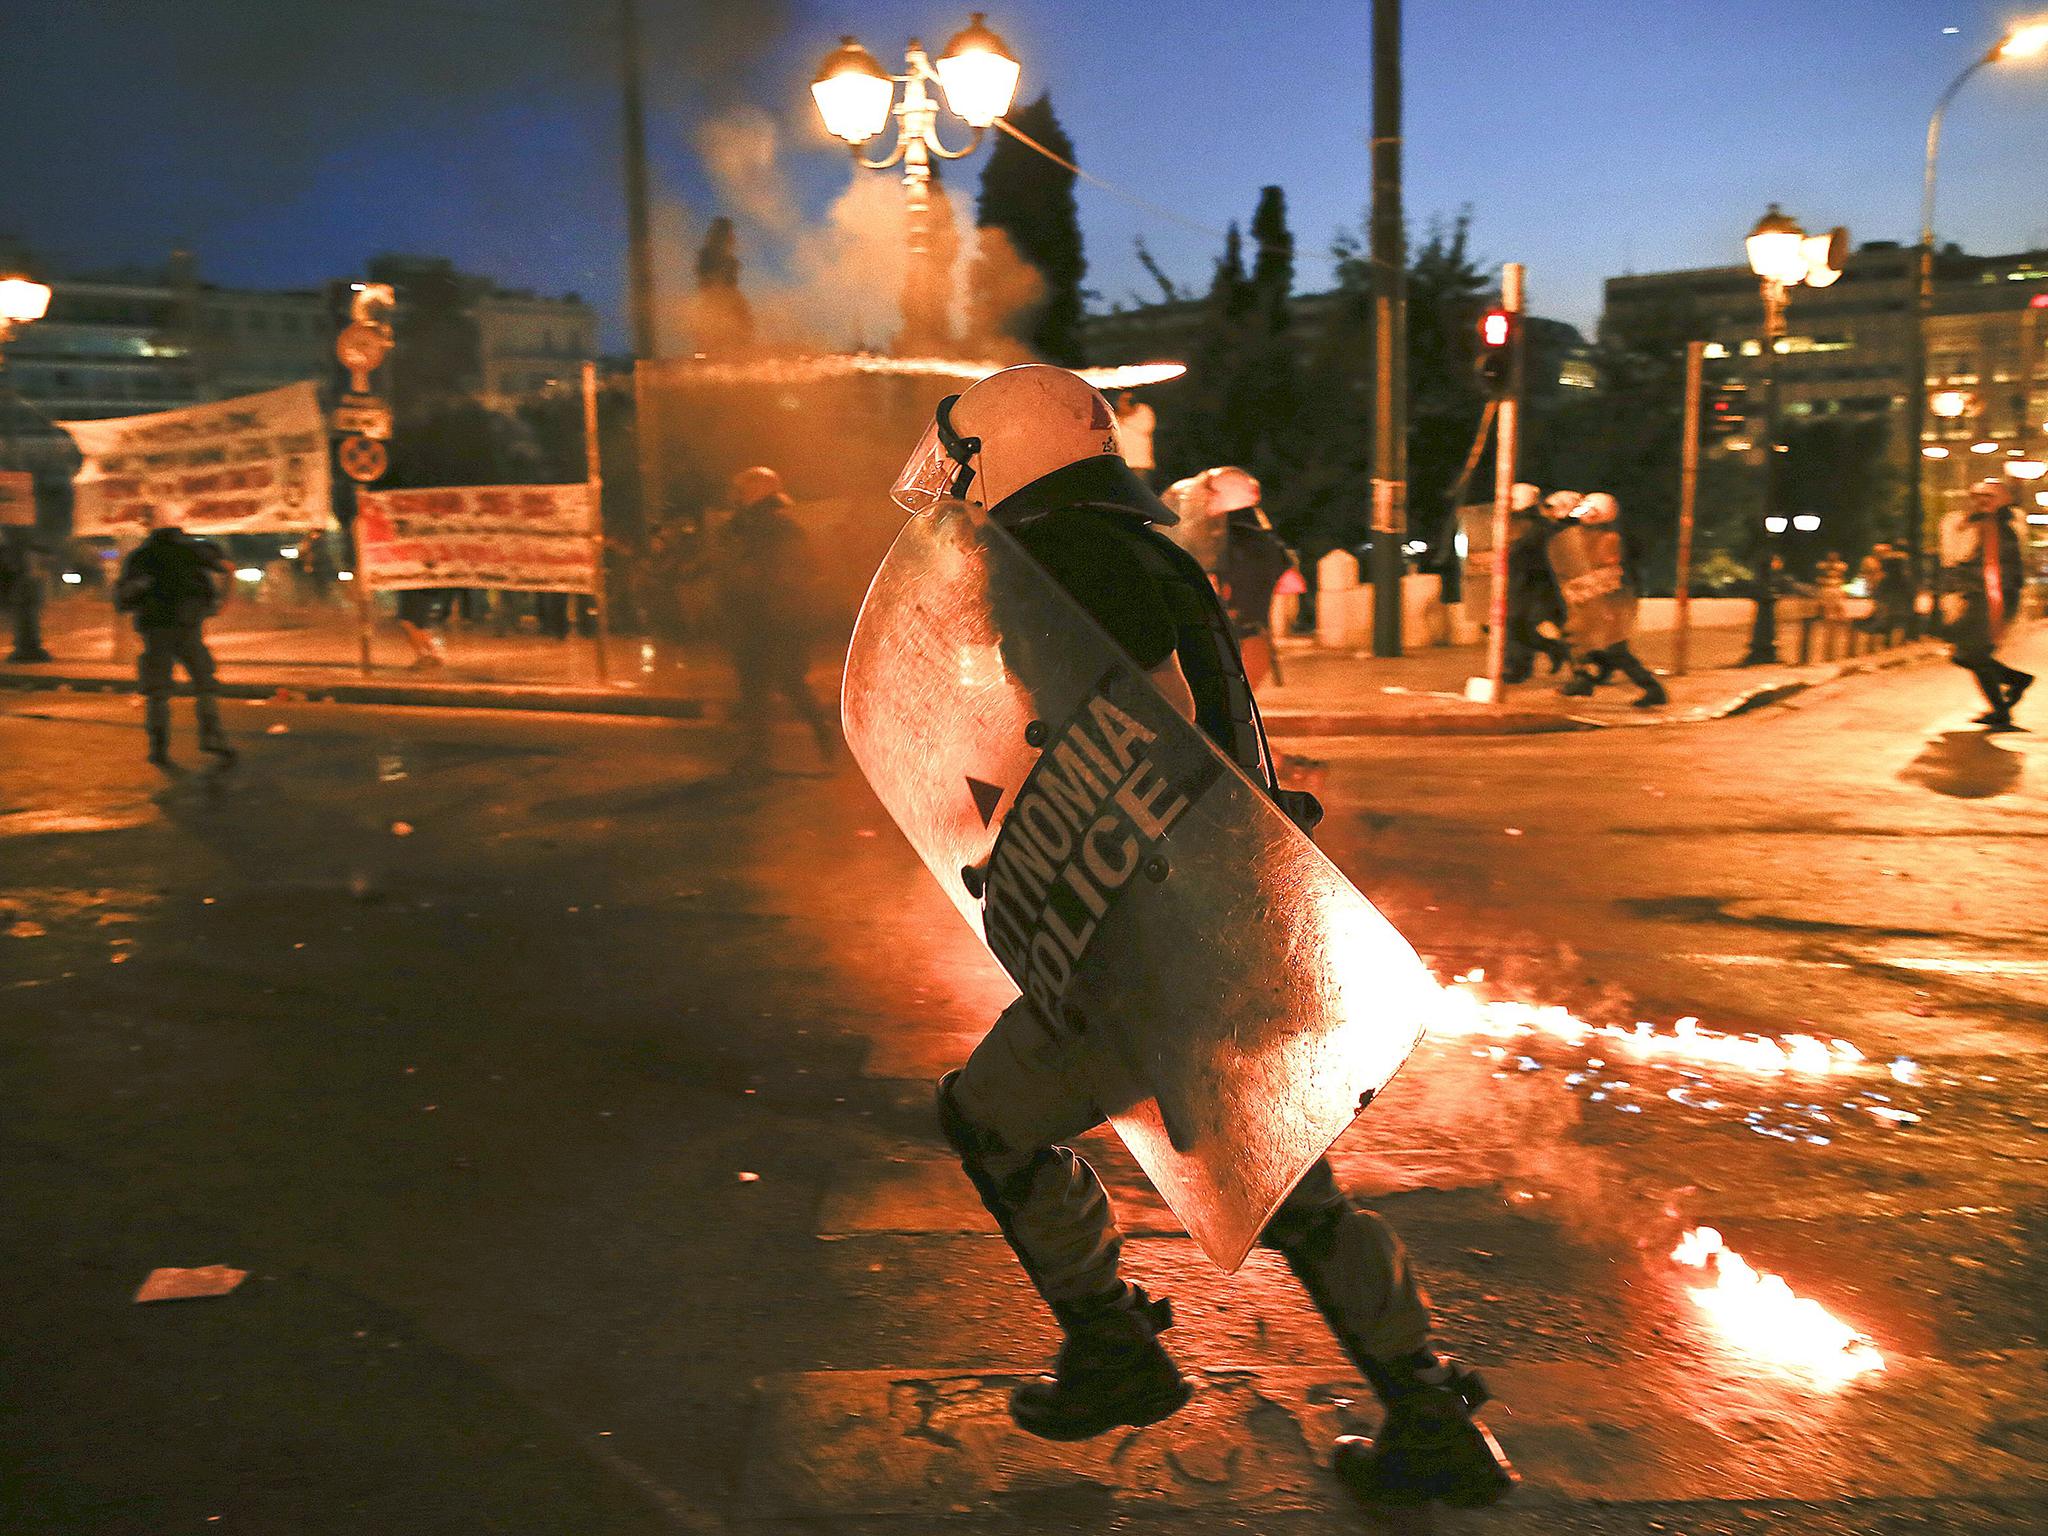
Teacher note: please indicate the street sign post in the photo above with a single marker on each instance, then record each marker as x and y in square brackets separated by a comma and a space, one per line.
[362, 459]
[363, 416]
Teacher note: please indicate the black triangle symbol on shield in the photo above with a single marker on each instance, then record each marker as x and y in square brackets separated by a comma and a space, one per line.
[986, 797]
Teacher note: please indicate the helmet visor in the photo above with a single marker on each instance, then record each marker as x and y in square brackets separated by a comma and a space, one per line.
[937, 468]
[927, 476]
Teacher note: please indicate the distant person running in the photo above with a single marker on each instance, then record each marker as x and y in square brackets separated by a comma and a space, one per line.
[1980, 593]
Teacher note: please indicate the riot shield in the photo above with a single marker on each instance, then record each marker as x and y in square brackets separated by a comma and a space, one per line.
[1237, 1001]
[1600, 608]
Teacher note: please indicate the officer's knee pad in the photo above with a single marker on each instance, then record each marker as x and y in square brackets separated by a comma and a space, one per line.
[982, 1152]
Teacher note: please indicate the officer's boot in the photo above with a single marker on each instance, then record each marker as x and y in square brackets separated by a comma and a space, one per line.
[1580, 685]
[1429, 1445]
[1111, 1368]
[1111, 1371]
[211, 737]
[1653, 691]
[156, 719]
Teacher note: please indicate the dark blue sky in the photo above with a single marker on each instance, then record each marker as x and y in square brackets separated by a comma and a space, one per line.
[289, 139]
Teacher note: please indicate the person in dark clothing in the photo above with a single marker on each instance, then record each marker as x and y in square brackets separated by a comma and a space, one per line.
[760, 568]
[172, 584]
[21, 593]
[1037, 449]
[1535, 609]
[1980, 594]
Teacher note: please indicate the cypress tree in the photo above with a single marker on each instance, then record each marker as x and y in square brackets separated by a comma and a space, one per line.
[1029, 200]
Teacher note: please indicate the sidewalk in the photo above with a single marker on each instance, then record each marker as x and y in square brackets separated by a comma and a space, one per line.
[313, 653]
[1331, 693]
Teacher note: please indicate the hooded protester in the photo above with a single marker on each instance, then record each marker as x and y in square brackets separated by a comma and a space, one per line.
[1035, 451]
[1980, 594]
[1535, 610]
[1600, 601]
[172, 584]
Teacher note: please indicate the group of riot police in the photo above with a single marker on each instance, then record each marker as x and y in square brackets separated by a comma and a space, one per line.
[1570, 595]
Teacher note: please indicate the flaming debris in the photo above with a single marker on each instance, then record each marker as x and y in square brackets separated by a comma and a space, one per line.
[1465, 1014]
[1760, 1314]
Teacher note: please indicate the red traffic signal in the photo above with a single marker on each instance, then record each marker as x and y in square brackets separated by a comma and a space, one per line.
[1499, 335]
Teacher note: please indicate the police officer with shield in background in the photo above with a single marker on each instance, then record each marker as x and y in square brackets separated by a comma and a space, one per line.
[1036, 451]
[1600, 601]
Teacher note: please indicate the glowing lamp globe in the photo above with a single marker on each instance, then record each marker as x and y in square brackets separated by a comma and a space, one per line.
[1949, 404]
[853, 93]
[1777, 248]
[977, 74]
[22, 299]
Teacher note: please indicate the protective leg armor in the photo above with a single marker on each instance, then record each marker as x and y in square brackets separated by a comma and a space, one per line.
[1111, 1368]
[1429, 1446]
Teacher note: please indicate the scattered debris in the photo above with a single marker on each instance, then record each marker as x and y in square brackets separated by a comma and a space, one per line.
[25, 928]
[278, 728]
[749, 1178]
[185, 1284]
[401, 829]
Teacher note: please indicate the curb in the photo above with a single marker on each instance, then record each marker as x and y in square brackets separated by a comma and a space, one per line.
[1440, 723]
[574, 701]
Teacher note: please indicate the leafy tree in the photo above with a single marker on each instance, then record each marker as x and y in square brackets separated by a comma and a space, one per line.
[1029, 199]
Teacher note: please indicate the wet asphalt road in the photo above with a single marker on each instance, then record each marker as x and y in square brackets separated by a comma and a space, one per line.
[477, 1104]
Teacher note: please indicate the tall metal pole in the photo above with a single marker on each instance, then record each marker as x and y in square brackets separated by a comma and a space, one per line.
[639, 241]
[1763, 632]
[1688, 497]
[1506, 448]
[593, 469]
[1390, 333]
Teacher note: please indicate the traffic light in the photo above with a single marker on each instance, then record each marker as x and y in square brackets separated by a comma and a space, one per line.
[1723, 416]
[1500, 339]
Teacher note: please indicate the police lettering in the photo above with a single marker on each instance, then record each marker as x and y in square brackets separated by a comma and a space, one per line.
[1093, 809]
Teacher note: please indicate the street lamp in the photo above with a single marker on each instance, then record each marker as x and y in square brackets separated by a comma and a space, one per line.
[2027, 40]
[22, 301]
[978, 78]
[1783, 256]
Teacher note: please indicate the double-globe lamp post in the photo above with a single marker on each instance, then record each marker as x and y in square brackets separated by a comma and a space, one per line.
[1783, 256]
[856, 96]
[2026, 41]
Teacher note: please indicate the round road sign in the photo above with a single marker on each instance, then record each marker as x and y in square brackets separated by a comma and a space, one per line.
[362, 458]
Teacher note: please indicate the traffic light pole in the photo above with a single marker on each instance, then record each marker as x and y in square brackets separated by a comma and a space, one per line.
[1688, 496]
[1506, 449]
[1390, 334]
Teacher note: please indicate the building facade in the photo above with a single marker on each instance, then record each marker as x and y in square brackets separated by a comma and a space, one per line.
[528, 344]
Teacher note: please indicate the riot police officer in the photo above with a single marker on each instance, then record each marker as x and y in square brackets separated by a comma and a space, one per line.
[1037, 450]
[1980, 593]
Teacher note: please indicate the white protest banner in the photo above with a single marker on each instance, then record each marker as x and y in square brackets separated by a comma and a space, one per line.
[17, 499]
[517, 538]
[254, 464]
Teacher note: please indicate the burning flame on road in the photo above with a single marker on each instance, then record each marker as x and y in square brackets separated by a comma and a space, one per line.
[1761, 1315]
[1465, 1014]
